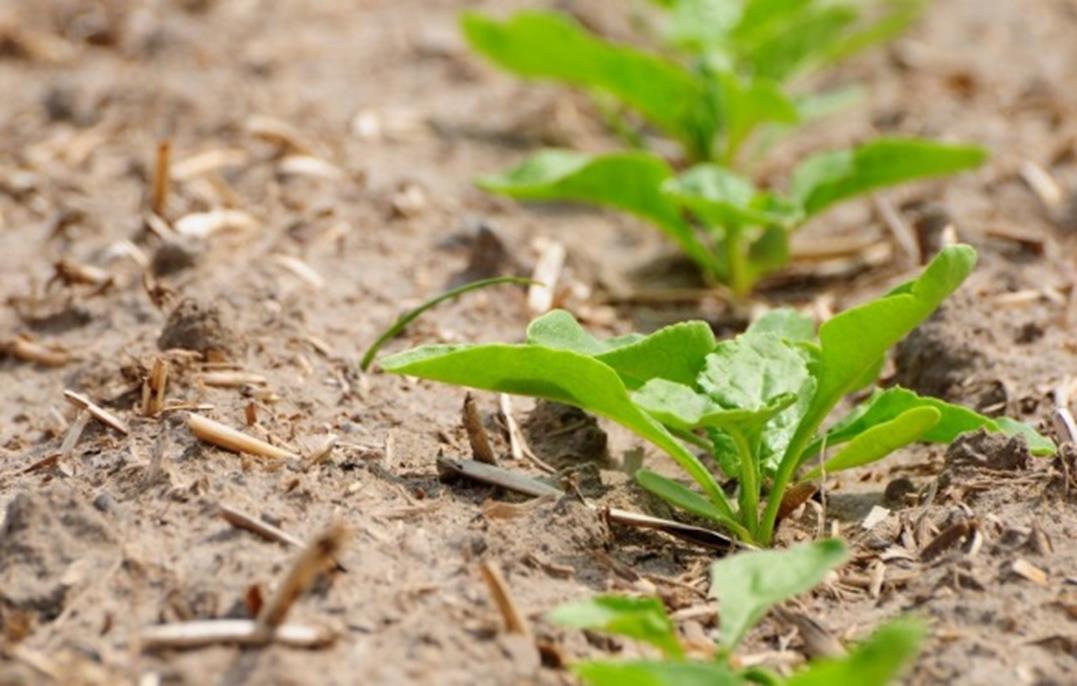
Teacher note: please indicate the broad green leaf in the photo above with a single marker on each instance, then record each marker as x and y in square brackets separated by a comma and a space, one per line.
[852, 342]
[681, 407]
[876, 662]
[559, 375]
[745, 105]
[829, 177]
[679, 496]
[720, 198]
[650, 673]
[879, 441]
[675, 352]
[627, 181]
[750, 372]
[547, 45]
[885, 405]
[818, 105]
[786, 323]
[799, 43]
[748, 584]
[702, 25]
[643, 619]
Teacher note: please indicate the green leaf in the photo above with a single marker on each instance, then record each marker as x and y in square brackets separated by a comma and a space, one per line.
[745, 105]
[649, 673]
[679, 496]
[681, 407]
[643, 619]
[799, 43]
[411, 315]
[675, 352]
[748, 584]
[879, 441]
[786, 323]
[547, 45]
[829, 177]
[751, 372]
[885, 405]
[559, 375]
[627, 181]
[721, 198]
[900, 15]
[876, 662]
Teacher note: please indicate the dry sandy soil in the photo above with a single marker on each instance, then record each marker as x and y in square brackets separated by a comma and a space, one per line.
[124, 531]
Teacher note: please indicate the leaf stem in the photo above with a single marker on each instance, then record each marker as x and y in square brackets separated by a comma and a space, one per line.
[749, 482]
[411, 315]
[786, 469]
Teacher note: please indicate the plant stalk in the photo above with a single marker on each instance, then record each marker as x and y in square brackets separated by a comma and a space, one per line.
[749, 484]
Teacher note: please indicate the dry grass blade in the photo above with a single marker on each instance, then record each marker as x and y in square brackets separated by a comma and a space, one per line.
[1043, 185]
[239, 631]
[315, 559]
[515, 623]
[202, 225]
[476, 432]
[232, 379]
[99, 413]
[161, 177]
[517, 443]
[28, 350]
[228, 438]
[279, 133]
[299, 269]
[74, 433]
[900, 230]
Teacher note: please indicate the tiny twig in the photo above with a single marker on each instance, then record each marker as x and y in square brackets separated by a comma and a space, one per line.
[515, 622]
[71, 439]
[242, 631]
[319, 555]
[476, 432]
[244, 521]
[517, 442]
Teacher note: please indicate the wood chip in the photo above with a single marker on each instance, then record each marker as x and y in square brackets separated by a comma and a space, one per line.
[154, 387]
[876, 516]
[239, 631]
[540, 295]
[1029, 571]
[1042, 184]
[232, 379]
[515, 623]
[228, 438]
[99, 413]
[476, 432]
[161, 178]
[202, 225]
[29, 350]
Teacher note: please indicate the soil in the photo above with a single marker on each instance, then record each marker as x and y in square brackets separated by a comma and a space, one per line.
[124, 532]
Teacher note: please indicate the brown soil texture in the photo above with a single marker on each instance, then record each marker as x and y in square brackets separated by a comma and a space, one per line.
[125, 532]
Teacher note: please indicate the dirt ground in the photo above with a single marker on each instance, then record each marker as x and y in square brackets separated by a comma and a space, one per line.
[390, 118]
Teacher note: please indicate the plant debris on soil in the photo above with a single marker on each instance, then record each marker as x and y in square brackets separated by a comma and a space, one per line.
[317, 184]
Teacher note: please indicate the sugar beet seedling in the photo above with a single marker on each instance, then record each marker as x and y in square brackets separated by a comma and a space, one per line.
[735, 232]
[756, 404]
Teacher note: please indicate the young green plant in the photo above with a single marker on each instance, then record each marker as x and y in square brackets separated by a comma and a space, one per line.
[755, 404]
[735, 232]
[745, 587]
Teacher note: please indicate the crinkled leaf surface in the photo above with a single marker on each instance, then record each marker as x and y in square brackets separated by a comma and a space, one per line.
[681, 407]
[720, 197]
[954, 420]
[548, 45]
[653, 673]
[753, 370]
[829, 177]
[627, 181]
[880, 440]
[748, 584]
[643, 619]
[745, 105]
[675, 352]
[786, 323]
[875, 662]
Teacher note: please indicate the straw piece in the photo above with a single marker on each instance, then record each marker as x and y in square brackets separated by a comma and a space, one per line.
[228, 438]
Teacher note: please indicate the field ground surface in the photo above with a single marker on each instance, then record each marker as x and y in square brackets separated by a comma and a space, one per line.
[344, 137]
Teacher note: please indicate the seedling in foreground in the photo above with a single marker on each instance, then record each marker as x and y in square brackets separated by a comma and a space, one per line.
[756, 404]
[745, 587]
[739, 232]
